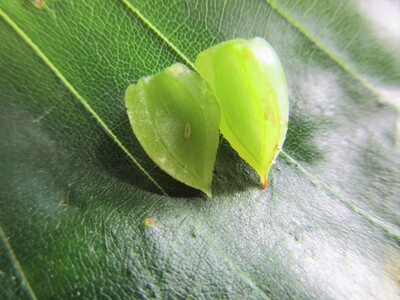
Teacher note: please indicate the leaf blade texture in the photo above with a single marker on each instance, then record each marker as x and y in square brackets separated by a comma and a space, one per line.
[74, 205]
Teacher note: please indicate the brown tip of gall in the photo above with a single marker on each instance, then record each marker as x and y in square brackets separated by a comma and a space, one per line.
[264, 183]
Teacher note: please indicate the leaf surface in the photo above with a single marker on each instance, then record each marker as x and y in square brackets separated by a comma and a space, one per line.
[84, 211]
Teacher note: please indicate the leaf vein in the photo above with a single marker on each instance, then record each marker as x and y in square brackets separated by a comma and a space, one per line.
[275, 6]
[70, 87]
[158, 32]
[17, 265]
[373, 220]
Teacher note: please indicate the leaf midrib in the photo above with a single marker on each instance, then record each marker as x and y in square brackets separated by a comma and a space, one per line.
[69, 86]
[342, 64]
[17, 266]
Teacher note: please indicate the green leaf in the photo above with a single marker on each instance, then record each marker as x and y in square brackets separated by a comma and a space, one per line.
[82, 213]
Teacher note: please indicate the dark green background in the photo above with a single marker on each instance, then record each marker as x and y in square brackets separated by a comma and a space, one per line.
[73, 202]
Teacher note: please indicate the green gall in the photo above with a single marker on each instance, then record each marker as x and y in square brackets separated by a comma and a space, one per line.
[176, 118]
[248, 79]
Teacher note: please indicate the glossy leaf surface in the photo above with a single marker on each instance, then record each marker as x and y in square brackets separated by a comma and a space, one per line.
[75, 208]
[249, 82]
[176, 117]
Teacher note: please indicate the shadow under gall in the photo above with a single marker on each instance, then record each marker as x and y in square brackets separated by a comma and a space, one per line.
[231, 173]
[117, 163]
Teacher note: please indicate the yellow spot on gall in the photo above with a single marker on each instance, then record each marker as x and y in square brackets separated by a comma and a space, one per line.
[188, 131]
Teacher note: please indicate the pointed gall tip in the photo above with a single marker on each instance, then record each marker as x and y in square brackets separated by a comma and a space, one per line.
[208, 193]
[264, 182]
[207, 190]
